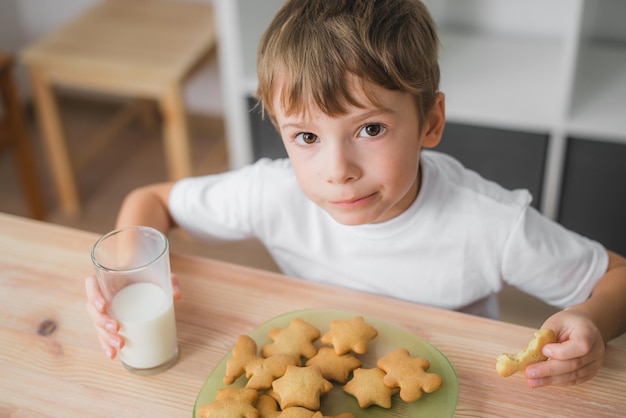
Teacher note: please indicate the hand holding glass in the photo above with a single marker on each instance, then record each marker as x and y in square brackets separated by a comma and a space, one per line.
[133, 270]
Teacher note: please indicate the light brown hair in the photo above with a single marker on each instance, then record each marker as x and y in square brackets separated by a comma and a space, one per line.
[311, 47]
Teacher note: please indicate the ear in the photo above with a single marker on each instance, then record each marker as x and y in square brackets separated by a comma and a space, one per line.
[435, 122]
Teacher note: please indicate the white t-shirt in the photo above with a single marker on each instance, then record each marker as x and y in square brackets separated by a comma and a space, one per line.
[455, 247]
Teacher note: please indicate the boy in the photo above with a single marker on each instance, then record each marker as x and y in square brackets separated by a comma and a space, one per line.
[352, 88]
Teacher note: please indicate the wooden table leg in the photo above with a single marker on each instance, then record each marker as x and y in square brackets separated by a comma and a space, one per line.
[23, 152]
[56, 146]
[175, 134]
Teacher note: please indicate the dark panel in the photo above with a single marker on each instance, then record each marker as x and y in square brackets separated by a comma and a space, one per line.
[265, 140]
[593, 195]
[513, 159]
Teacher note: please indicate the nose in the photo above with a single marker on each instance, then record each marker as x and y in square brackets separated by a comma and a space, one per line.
[341, 164]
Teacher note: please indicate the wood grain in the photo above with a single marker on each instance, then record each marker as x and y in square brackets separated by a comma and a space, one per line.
[62, 371]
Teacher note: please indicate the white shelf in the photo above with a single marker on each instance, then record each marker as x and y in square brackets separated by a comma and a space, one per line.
[599, 102]
[257, 16]
[501, 81]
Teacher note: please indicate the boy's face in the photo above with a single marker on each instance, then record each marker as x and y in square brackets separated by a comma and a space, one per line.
[360, 167]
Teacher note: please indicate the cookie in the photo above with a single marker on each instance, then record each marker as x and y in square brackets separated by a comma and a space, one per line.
[334, 366]
[301, 386]
[230, 403]
[267, 407]
[409, 374]
[299, 412]
[368, 388]
[290, 390]
[263, 372]
[260, 372]
[352, 334]
[295, 340]
[509, 364]
[244, 353]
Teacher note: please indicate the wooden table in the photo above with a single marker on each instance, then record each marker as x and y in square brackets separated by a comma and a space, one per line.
[52, 365]
[142, 49]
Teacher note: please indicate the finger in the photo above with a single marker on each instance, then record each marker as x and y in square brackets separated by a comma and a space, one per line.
[107, 331]
[94, 295]
[574, 377]
[555, 367]
[102, 320]
[106, 327]
[569, 349]
[110, 343]
[175, 287]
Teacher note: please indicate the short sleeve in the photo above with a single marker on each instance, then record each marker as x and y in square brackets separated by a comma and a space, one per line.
[214, 207]
[554, 264]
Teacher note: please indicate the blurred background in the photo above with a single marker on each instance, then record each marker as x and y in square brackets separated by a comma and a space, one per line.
[536, 99]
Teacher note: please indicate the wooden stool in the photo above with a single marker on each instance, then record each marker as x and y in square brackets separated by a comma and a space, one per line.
[13, 136]
[134, 48]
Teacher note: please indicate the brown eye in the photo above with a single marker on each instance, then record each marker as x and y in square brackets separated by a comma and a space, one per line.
[372, 130]
[306, 138]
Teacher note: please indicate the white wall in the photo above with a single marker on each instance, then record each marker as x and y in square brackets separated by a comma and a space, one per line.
[24, 21]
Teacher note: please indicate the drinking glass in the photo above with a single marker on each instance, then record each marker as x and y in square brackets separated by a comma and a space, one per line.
[133, 270]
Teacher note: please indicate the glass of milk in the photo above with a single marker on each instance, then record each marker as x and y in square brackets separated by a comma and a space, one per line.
[133, 270]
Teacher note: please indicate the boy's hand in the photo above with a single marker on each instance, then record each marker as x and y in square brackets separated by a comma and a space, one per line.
[107, 328]
[575, 358]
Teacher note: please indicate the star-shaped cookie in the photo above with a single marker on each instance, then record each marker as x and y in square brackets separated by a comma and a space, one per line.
[301, 386]
[350, 334]
[231, 402]
[368, 388]
[334, 366]
[295, 340]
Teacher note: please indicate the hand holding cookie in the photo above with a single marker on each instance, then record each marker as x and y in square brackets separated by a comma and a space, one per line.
[509, 364]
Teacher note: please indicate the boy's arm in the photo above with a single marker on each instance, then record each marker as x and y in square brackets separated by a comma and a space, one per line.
[583, 330]
[606, 306]
[147, 206]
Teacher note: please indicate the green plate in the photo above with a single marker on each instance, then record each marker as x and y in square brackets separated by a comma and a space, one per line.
[441, 403]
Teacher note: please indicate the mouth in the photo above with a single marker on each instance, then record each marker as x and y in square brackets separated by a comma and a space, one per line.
[353, 202]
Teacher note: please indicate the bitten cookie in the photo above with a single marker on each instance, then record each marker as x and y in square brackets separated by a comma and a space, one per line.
[409, 374]
[350, 334]
[295, 340]
[508, 364]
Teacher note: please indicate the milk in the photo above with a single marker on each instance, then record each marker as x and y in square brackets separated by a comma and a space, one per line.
[147, 323]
